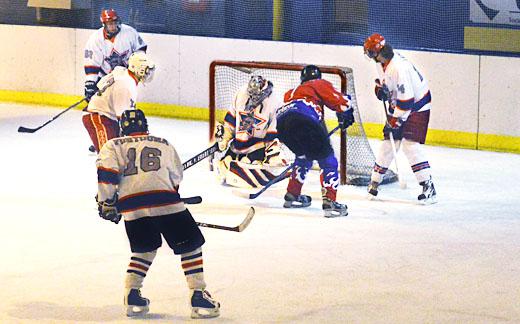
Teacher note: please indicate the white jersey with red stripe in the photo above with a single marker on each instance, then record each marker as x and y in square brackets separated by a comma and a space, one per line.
[102, 55]
[117, 93]
[253, 128]
[145, 171]
[408, 87]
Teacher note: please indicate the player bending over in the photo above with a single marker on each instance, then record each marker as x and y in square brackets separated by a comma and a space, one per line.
[248, 137]
[301, 128]
[408, 94]
[118, 92]
[139, 177]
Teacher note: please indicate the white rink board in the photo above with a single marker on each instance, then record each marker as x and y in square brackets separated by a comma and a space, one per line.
[500, 96]
[37, 59]
[50, 59]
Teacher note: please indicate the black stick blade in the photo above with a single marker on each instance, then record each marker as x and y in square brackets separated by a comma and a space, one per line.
[22, 129]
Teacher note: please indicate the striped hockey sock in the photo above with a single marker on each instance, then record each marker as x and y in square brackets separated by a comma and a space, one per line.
[137, 268]
[193, 269]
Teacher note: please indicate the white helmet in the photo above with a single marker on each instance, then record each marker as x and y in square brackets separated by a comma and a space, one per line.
[141, 66]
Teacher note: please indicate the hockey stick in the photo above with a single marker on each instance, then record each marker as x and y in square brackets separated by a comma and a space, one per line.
[23, 129]
[192, 200]
[239, 228]
[402, 182]
[276, 179]
[201, 156]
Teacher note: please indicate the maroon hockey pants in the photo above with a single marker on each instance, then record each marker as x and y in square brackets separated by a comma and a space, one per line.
[100, 129]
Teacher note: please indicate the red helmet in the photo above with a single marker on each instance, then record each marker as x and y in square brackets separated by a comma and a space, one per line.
[373, 45]
[108, 15]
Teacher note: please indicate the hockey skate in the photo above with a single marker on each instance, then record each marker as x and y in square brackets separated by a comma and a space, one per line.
[135, 304]
[428, 195]
[373, 189]
[299, 201]
[202, 305]
[333, 208]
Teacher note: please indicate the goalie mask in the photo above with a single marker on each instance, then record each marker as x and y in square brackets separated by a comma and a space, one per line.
[141, 66]
[111, 22]
[133, 121]
[258, 89]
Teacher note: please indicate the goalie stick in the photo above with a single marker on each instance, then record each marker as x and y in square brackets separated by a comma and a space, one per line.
[23, 129]
[239, 228]
[201, 156]
[273, 181]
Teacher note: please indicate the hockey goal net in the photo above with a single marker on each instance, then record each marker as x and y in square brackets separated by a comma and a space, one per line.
[352, 148]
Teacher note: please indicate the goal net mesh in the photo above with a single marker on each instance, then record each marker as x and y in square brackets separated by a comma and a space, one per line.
[353, 151]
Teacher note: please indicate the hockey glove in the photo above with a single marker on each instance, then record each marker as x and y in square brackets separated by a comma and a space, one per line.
[394, 126]
[108, 210]
[90, 89]
[273, 154]
[381, 90]
[223, 135]
[345, 119]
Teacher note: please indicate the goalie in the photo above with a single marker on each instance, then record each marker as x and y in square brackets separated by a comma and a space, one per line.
[247, 140]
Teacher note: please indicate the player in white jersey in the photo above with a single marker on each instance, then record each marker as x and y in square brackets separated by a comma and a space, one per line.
[408, 114]
[138, 179]
[117, 92]
[249, 137]
[108, 47]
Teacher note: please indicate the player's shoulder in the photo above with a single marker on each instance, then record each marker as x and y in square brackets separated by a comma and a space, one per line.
[96, 37]
[127, 29]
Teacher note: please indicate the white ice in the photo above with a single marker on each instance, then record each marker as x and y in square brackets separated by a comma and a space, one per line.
[389, 261]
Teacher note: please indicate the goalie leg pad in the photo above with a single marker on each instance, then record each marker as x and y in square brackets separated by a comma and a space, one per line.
[245, 175]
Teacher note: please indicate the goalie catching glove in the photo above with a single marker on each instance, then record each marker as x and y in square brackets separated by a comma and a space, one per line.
[108, 210]
[223, 135]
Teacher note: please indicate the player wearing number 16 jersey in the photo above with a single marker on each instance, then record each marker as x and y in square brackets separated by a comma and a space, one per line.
[138, 179]
[408, 115]
[117, 92]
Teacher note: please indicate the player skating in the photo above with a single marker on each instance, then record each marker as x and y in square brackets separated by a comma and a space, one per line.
[248, 136]
[301, 128]
[405, 88]
[117, 92]
[138, 179]
[108, 47]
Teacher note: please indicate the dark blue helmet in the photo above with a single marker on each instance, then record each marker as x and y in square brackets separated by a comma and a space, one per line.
[133, 121]
[310, 72]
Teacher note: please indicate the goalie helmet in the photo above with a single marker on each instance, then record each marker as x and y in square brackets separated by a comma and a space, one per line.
[374, 45]
[141, 66]
[110, 15]
[310, 72]
[133, 121]
[255, 86]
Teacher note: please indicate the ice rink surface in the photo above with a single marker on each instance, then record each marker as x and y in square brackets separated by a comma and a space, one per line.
[389, 261]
